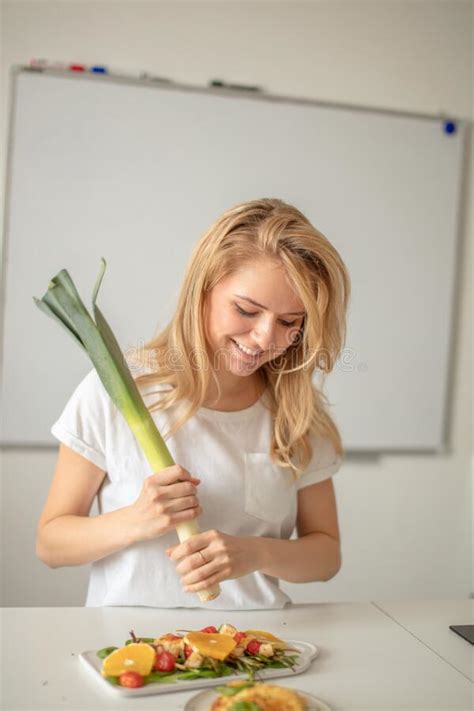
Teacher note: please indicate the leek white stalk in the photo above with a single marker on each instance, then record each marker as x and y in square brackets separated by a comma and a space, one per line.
[63, 303]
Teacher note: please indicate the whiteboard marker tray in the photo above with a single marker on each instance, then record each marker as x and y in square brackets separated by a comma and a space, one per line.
[91, 661]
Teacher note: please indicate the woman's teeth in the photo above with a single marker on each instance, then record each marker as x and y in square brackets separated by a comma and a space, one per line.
[245, 350]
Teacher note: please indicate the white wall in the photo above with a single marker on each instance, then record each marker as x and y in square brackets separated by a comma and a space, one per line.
[406, 521]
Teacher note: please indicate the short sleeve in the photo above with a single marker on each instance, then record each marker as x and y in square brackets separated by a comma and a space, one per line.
[324, 463]
[82, 424]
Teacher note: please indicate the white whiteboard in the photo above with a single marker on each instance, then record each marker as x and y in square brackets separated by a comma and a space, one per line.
[135, 173]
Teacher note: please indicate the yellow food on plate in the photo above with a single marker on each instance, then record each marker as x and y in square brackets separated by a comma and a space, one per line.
[138, 657]
[216, 646]
[263, 636]
[268, 697]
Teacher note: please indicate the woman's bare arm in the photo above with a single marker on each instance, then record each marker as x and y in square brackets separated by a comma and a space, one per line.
[315, 554]
[66, 535]
[213, 556]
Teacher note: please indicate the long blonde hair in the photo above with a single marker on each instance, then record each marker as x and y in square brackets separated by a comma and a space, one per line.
[266, 228]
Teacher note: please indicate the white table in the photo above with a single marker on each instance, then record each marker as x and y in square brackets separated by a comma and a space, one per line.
[429, 621]
[373, 656]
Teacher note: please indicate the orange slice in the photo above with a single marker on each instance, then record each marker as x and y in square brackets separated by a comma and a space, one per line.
[267, 637]
[217, 646]
[138, 657]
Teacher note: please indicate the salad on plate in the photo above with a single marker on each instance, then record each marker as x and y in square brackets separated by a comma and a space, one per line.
[189, 655]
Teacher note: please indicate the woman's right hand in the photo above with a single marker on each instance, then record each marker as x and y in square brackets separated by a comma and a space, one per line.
[167, 498]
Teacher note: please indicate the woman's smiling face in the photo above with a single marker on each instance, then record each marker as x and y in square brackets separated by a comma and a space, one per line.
[253, 315]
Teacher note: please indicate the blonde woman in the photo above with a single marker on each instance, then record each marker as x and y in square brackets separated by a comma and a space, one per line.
[229, 383]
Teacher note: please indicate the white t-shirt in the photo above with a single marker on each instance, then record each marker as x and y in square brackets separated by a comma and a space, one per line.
[242, 493]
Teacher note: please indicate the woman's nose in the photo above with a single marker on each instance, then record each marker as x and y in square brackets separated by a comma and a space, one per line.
[265, 334]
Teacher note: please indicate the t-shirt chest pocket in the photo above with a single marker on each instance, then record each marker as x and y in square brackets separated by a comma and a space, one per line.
[269, 489]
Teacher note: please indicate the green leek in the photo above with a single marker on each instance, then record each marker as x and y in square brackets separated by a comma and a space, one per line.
[63, 303]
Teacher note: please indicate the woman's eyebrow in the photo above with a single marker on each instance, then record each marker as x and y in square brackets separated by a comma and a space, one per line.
[255, 303]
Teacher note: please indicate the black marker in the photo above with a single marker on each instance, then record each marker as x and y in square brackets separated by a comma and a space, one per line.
[235, 87]
[144, 76]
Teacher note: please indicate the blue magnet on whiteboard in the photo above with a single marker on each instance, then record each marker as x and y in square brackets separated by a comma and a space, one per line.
[449, 127]
[97, 69]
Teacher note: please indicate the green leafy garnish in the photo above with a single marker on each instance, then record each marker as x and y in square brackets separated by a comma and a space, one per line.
[112, 680]
[199, 674]
[232, 690]
[103, 653]
[280, 662]
[245, 706]
[161, 678]
[219, 667]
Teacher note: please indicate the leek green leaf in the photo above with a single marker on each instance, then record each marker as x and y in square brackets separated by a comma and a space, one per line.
[63, 303]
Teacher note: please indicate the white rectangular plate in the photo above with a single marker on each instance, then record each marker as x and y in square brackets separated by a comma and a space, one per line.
[91, 661]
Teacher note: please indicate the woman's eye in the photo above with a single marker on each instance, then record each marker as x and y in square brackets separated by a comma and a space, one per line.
[287, 324]
[245, 313]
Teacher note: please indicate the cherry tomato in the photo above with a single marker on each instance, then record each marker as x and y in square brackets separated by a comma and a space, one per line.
[131, 679]
[187, 650]
[239, 636]
[253, 647]
[164, 662]
[210, 630]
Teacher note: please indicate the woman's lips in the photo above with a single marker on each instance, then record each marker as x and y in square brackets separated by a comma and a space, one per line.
[245, 356]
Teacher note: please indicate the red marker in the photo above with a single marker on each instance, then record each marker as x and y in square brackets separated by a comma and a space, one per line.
[77, 68]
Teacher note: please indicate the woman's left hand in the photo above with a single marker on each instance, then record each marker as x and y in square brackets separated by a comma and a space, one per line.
[211, 557]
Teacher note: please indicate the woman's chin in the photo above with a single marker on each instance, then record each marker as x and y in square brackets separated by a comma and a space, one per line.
[240, 368]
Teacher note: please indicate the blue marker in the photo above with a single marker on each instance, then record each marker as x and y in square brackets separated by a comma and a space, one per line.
[98, 69]
[449, 127]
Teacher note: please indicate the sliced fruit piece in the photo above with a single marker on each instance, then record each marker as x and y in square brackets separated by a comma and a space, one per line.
[228, 629]
[253, 647]
[165, 662]
[263, 636]
[138, 657]
[131, 679]
[216, 646]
